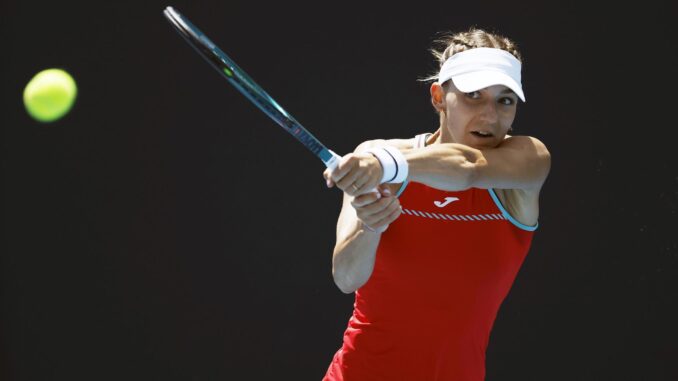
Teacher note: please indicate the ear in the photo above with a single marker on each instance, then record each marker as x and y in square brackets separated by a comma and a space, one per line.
[437, 96]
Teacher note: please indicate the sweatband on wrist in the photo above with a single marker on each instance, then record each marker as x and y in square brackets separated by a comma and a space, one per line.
[392, 162]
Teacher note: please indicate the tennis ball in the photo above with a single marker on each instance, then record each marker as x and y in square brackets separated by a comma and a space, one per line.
[49, 95]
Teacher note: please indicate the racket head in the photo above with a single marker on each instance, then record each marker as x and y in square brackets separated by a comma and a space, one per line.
[246, 85]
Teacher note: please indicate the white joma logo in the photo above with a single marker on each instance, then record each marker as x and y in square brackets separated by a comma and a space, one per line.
[447, 201]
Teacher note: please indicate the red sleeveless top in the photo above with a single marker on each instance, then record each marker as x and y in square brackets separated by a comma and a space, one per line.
[442, 270]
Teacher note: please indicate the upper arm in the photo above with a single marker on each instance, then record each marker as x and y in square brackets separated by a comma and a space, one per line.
[519, 162]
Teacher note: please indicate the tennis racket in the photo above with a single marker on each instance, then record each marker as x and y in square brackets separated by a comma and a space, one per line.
[241, 81]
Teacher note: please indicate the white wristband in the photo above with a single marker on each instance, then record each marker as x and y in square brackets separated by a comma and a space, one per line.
[392, 162]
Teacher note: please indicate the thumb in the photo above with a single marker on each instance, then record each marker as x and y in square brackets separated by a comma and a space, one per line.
[385, 190]
[328, 178]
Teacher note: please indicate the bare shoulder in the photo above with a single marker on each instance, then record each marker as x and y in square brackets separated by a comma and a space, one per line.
[523, 204]
[528, 143]
[527, 155]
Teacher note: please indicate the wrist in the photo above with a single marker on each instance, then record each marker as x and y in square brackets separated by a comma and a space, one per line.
[393, 163]
[365, 227]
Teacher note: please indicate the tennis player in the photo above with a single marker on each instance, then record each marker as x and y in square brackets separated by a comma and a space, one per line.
[432, 253]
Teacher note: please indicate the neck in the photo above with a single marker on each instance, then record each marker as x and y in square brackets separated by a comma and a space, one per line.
[434, 138]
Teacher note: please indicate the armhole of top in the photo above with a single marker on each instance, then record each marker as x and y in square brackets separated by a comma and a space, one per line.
[402, 188]
[508, 216]
[419, 141]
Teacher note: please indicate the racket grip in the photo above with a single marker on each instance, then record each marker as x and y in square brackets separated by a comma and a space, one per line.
[333, 161]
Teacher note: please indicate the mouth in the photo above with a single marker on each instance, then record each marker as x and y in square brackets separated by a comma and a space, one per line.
[482, 134]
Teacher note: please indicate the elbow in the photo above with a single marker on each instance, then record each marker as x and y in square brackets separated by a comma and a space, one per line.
[346, 290]
[343, 282]
[340, 272]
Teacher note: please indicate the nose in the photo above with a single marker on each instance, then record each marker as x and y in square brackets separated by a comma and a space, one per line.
[489, 113]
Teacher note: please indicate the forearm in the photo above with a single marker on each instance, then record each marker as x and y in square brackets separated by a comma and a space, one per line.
[449, 166]
[354, 255]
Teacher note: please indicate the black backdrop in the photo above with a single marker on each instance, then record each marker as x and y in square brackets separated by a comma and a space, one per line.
[166, 229]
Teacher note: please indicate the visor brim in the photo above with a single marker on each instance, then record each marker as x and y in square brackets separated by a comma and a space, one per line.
[469, 82]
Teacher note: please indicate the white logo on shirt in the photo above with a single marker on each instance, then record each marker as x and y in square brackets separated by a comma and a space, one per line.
[447, 201]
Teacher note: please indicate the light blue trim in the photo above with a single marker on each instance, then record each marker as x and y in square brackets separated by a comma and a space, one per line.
[402, 188]
[407, 182]
[510, 217]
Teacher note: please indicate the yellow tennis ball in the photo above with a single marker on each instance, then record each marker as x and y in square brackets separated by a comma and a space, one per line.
[50, 95]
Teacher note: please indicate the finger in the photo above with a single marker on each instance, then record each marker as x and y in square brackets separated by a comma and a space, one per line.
[385, 190]
[365, 184]
[345, 165]
[384, 216]
[365, 199]
[363, 188]
[346, 183]
[372, 210]
[389, 218]
[328, 178]
[366, 180]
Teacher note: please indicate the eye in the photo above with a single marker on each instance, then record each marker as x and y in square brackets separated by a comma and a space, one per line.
[473, 94]
[507, 101]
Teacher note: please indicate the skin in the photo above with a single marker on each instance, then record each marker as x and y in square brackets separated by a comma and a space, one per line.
[454, 159]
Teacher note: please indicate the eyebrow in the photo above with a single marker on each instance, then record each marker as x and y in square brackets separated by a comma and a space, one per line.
[507, 91]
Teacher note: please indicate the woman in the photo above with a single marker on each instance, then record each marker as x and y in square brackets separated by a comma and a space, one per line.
[434, 229]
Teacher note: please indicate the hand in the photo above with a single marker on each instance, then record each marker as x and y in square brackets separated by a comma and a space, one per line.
[356, 174]
[377, 209]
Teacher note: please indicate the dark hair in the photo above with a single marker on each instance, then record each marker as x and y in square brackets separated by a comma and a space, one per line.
[449, 44]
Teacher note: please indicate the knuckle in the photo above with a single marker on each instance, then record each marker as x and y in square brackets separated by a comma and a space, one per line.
[364, 208]
[369, 209]
[346, 158]
[393, 216]
[393, 209]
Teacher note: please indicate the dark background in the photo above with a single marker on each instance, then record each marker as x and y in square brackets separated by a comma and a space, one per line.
[167, 229]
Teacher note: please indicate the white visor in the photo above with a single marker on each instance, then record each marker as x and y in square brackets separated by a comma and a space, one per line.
[478, 68]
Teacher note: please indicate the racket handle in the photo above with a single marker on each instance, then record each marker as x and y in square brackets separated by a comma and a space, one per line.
[333, 161]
